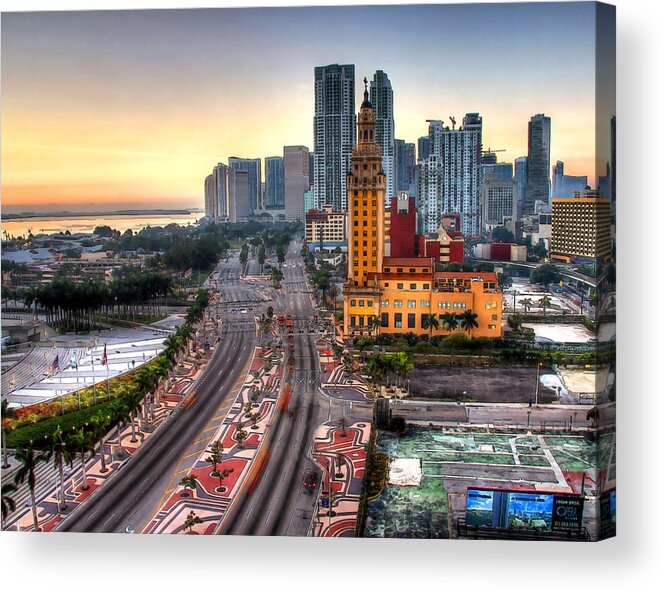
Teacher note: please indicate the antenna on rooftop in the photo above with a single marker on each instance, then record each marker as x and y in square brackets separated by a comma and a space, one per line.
[452, 119]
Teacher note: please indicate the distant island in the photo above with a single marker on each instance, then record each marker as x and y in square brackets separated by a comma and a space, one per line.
[70, 214]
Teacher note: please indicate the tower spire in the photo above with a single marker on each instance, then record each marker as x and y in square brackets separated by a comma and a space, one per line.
[366, 102]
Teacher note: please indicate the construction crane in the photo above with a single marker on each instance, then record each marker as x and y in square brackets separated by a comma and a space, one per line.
[490, 151]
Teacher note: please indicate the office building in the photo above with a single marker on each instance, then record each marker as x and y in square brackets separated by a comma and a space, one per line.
[296, 181]
[581, 227]
[274, 185]
[381, 97]
[325, 228]
[538, 164]
[334, 132]
[405, 164]
[499, 201]
[253, 168]
[423, 148]
[563, 185]
[239, 194]
[520, 183]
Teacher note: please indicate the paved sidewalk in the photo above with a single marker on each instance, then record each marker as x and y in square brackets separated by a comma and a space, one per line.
[342, 455]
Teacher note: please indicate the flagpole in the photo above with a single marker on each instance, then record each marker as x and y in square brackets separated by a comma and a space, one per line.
[94, 386]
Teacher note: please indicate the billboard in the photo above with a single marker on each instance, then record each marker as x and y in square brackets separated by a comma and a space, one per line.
[608, 514]
[508, 509]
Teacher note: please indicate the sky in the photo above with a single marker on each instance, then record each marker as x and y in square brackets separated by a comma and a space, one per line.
[109, 109]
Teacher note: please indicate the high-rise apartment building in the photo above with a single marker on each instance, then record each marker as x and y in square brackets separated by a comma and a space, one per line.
[296, 181]
[449, 179]
[381, 97]
[581, 227]
[274, 192]
[220, 172]
[405, 164]
[538, 163]
[209, 191]
[334, 132]
[253, 168]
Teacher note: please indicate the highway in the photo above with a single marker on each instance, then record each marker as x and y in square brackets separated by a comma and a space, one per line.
[133, 494]
[276, 502]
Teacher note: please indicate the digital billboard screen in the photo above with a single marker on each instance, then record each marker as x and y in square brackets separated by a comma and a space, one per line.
[608, 514]
[508, 509]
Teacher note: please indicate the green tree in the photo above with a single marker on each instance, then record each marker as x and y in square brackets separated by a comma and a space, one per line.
[7, 413]
[450, 322]
[191, 520]
[215, 457]
[29, 459]
[188, 482]
[545, 303]
[526, 304]
[61, 454]
[222, 474]
[83, 442]
[546, 274]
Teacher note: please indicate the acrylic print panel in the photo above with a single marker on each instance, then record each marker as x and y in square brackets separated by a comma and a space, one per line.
[219, 318]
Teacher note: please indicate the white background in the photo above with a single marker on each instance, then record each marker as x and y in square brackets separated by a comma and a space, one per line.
[634, 560]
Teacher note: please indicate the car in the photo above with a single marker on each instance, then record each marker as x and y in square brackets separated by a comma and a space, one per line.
[310, 481]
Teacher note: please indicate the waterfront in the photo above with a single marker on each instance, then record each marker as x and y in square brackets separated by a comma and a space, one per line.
[87, 223]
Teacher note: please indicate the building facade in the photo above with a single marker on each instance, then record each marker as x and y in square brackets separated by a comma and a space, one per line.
[564, 185]
[538, 163]
[520, 183]
[499, 200]
[449, 179]
[402, 225]
[334, 132]
[423, 148]
[296, 181]
[325, 228]
[253, 168]
[239, 195]
[381, 97]
[274, 191]
[405, 164]
[399, 295]
[581, 227]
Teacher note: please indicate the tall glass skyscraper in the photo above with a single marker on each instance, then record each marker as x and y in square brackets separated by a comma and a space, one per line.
[538, 163]
[334, 132]
[381, 97]
[274, 182]
[520, 181]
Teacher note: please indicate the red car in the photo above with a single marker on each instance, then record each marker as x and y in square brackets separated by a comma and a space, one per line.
[310, 481]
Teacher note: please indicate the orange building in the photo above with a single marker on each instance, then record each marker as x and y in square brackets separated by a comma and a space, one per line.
[402, 295]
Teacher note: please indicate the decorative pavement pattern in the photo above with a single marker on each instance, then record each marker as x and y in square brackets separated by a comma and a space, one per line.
[116, 451]
[242, 461]
[342, 455]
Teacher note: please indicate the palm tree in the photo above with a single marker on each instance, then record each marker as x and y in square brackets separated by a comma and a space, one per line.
[432, 322]
[29, 459]
[100, 424]
[402, 365]
[545, 303]
[526, 303]
[83, 442]
[60, 453]
[469, 321]
[8, 503]
[7, 413]
[374, 323]
[450, 322]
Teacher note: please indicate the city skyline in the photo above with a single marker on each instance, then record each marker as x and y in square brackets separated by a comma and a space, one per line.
[129, 118]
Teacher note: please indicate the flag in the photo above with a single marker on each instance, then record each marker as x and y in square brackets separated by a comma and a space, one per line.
[104, 357]
[56, 363]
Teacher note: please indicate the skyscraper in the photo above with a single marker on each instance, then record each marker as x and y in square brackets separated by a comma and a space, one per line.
[564, 185]
[613, 160]
[253, 168]
[449, 179]
[334, 132]
[220, 173]
[423, 148]
[296, 181]
[405, 163]
[209, 189]
[499, 199]
[274, 182]
[520, 181]
[381, 97]
[239, 192]
[538, 163]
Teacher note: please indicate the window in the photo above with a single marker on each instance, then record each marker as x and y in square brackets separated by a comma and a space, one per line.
[387, 269]
[411, 303]
[361, 303]
[353, 320]
[398, 303]
[423, 321]
[426, 286]
[362, 320]
[398, 320]
[413, 286]
[412, 270]
[488, 305]
[399, 269]
[424, 303]
[494, 317]
[370, 303]
[411, 321]
[385, 303]
[400, 286]
[384, 319]
[355, 263]
[491, 326]
[353, 303]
